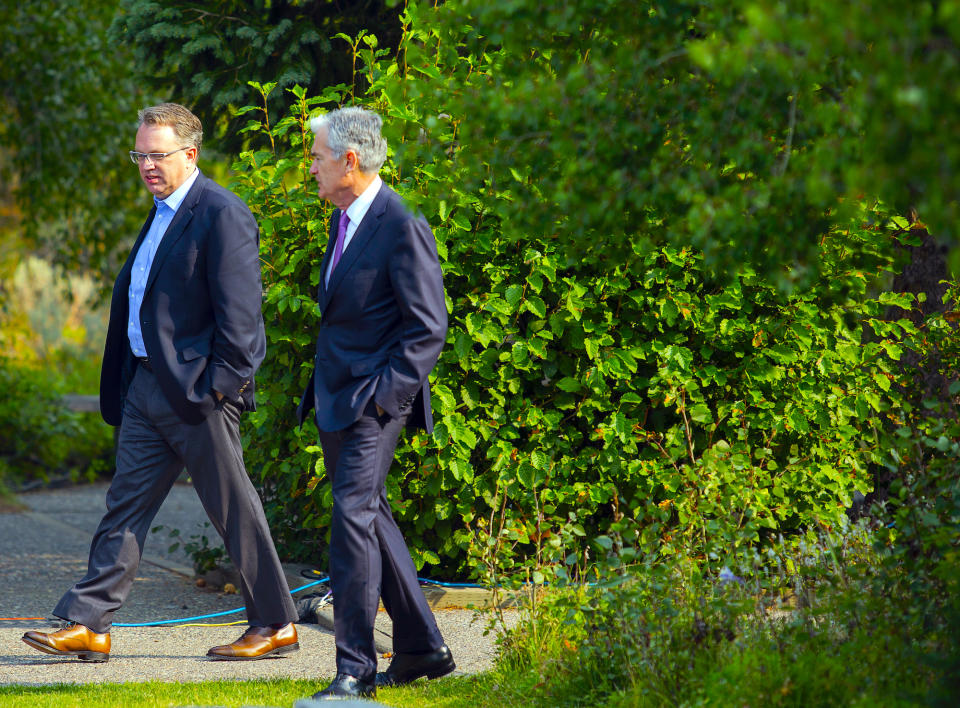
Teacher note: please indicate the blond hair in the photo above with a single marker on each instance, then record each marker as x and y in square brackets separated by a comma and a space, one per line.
[185, 125]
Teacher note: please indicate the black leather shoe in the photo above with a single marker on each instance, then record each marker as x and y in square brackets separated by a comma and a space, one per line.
[405, 668]
[346, 686]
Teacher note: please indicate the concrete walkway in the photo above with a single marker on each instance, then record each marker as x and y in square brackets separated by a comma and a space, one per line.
[43, 550]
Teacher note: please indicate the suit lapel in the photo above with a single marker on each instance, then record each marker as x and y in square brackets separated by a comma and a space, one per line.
[361, 237]
[176, 228]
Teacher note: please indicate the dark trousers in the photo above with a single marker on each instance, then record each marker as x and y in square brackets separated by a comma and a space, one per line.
[368, 557]
[153, 447]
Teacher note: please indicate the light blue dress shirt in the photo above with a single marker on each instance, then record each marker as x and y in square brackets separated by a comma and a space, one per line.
[166, 210]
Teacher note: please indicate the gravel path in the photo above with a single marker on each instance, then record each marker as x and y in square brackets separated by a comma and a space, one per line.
[43, 550]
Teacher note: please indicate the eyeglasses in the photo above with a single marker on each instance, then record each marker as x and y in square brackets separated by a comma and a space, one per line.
[154, 157]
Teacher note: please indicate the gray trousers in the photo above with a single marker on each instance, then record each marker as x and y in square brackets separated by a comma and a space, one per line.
[154, 446]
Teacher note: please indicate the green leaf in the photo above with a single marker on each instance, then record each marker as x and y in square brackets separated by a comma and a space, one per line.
[669, 311]
[461, 221]
[569, 384]
[463, 346]
[537, 347]
[882, 381]
[621, 425]
[496, 304]
[519, 353]
[700, 413]
[448, 401]
[894, 351]
[591, 348]
[604, 542]
[540, 460]
[798, 421]
[526, 475]
[536, 306]
[474, 322]
[901, 300]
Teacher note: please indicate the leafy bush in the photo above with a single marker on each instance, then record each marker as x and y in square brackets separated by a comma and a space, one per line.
[284, 459]
[54, 320]
[864, 615]
[627, 394]
[51, 332]
[39, 437]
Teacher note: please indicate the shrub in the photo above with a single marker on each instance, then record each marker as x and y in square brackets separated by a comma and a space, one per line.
[864, 615]
[582, 404]
[51, 332]
[812, 624]
[39, 437]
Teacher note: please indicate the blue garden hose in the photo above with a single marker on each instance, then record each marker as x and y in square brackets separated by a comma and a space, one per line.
[202, 617]
[159, 623]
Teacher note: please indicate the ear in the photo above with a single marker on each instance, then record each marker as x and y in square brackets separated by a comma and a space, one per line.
[353, 161]
[192, 154]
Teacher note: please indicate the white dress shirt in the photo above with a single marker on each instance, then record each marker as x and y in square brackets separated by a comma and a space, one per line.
[355, 212]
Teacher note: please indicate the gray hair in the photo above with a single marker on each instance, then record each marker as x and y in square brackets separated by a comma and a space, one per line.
[356, 129]
[186, 126]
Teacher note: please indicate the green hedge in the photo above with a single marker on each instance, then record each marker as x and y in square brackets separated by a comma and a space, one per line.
[619, 397]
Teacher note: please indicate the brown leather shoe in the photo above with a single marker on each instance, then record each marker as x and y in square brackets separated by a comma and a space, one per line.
[257, 643]
[73, 640]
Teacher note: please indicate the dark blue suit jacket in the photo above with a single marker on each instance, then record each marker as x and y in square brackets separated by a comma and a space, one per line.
[383, 322]
[201, 318]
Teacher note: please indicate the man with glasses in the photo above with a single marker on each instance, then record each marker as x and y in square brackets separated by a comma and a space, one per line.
[184, 340]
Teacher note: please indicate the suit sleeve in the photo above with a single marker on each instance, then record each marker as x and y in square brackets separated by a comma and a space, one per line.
[417, 282]
[233, 275]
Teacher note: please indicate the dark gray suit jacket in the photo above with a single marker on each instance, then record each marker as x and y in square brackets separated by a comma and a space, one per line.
[383, 322]
[201, 318]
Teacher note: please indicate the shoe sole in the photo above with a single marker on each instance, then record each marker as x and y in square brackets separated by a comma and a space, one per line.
[432, 674]
[437, 673]
[94, 657]
[286, 649]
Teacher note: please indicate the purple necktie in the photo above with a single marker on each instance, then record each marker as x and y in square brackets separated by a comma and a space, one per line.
[341, 236]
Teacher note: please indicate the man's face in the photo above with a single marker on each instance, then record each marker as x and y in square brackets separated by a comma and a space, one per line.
[163, 177]
[331, 174]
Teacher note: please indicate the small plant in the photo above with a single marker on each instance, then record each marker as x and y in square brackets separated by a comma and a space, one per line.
[206, 557]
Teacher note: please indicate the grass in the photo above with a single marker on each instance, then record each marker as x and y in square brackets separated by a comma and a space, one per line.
[447, 693]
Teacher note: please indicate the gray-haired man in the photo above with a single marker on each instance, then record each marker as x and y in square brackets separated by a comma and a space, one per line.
[383, 325]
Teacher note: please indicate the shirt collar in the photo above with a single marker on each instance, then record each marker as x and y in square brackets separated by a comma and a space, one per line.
[175, 199]
[358, 208]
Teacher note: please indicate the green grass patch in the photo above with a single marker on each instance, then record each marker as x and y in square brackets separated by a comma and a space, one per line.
[446, 693]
